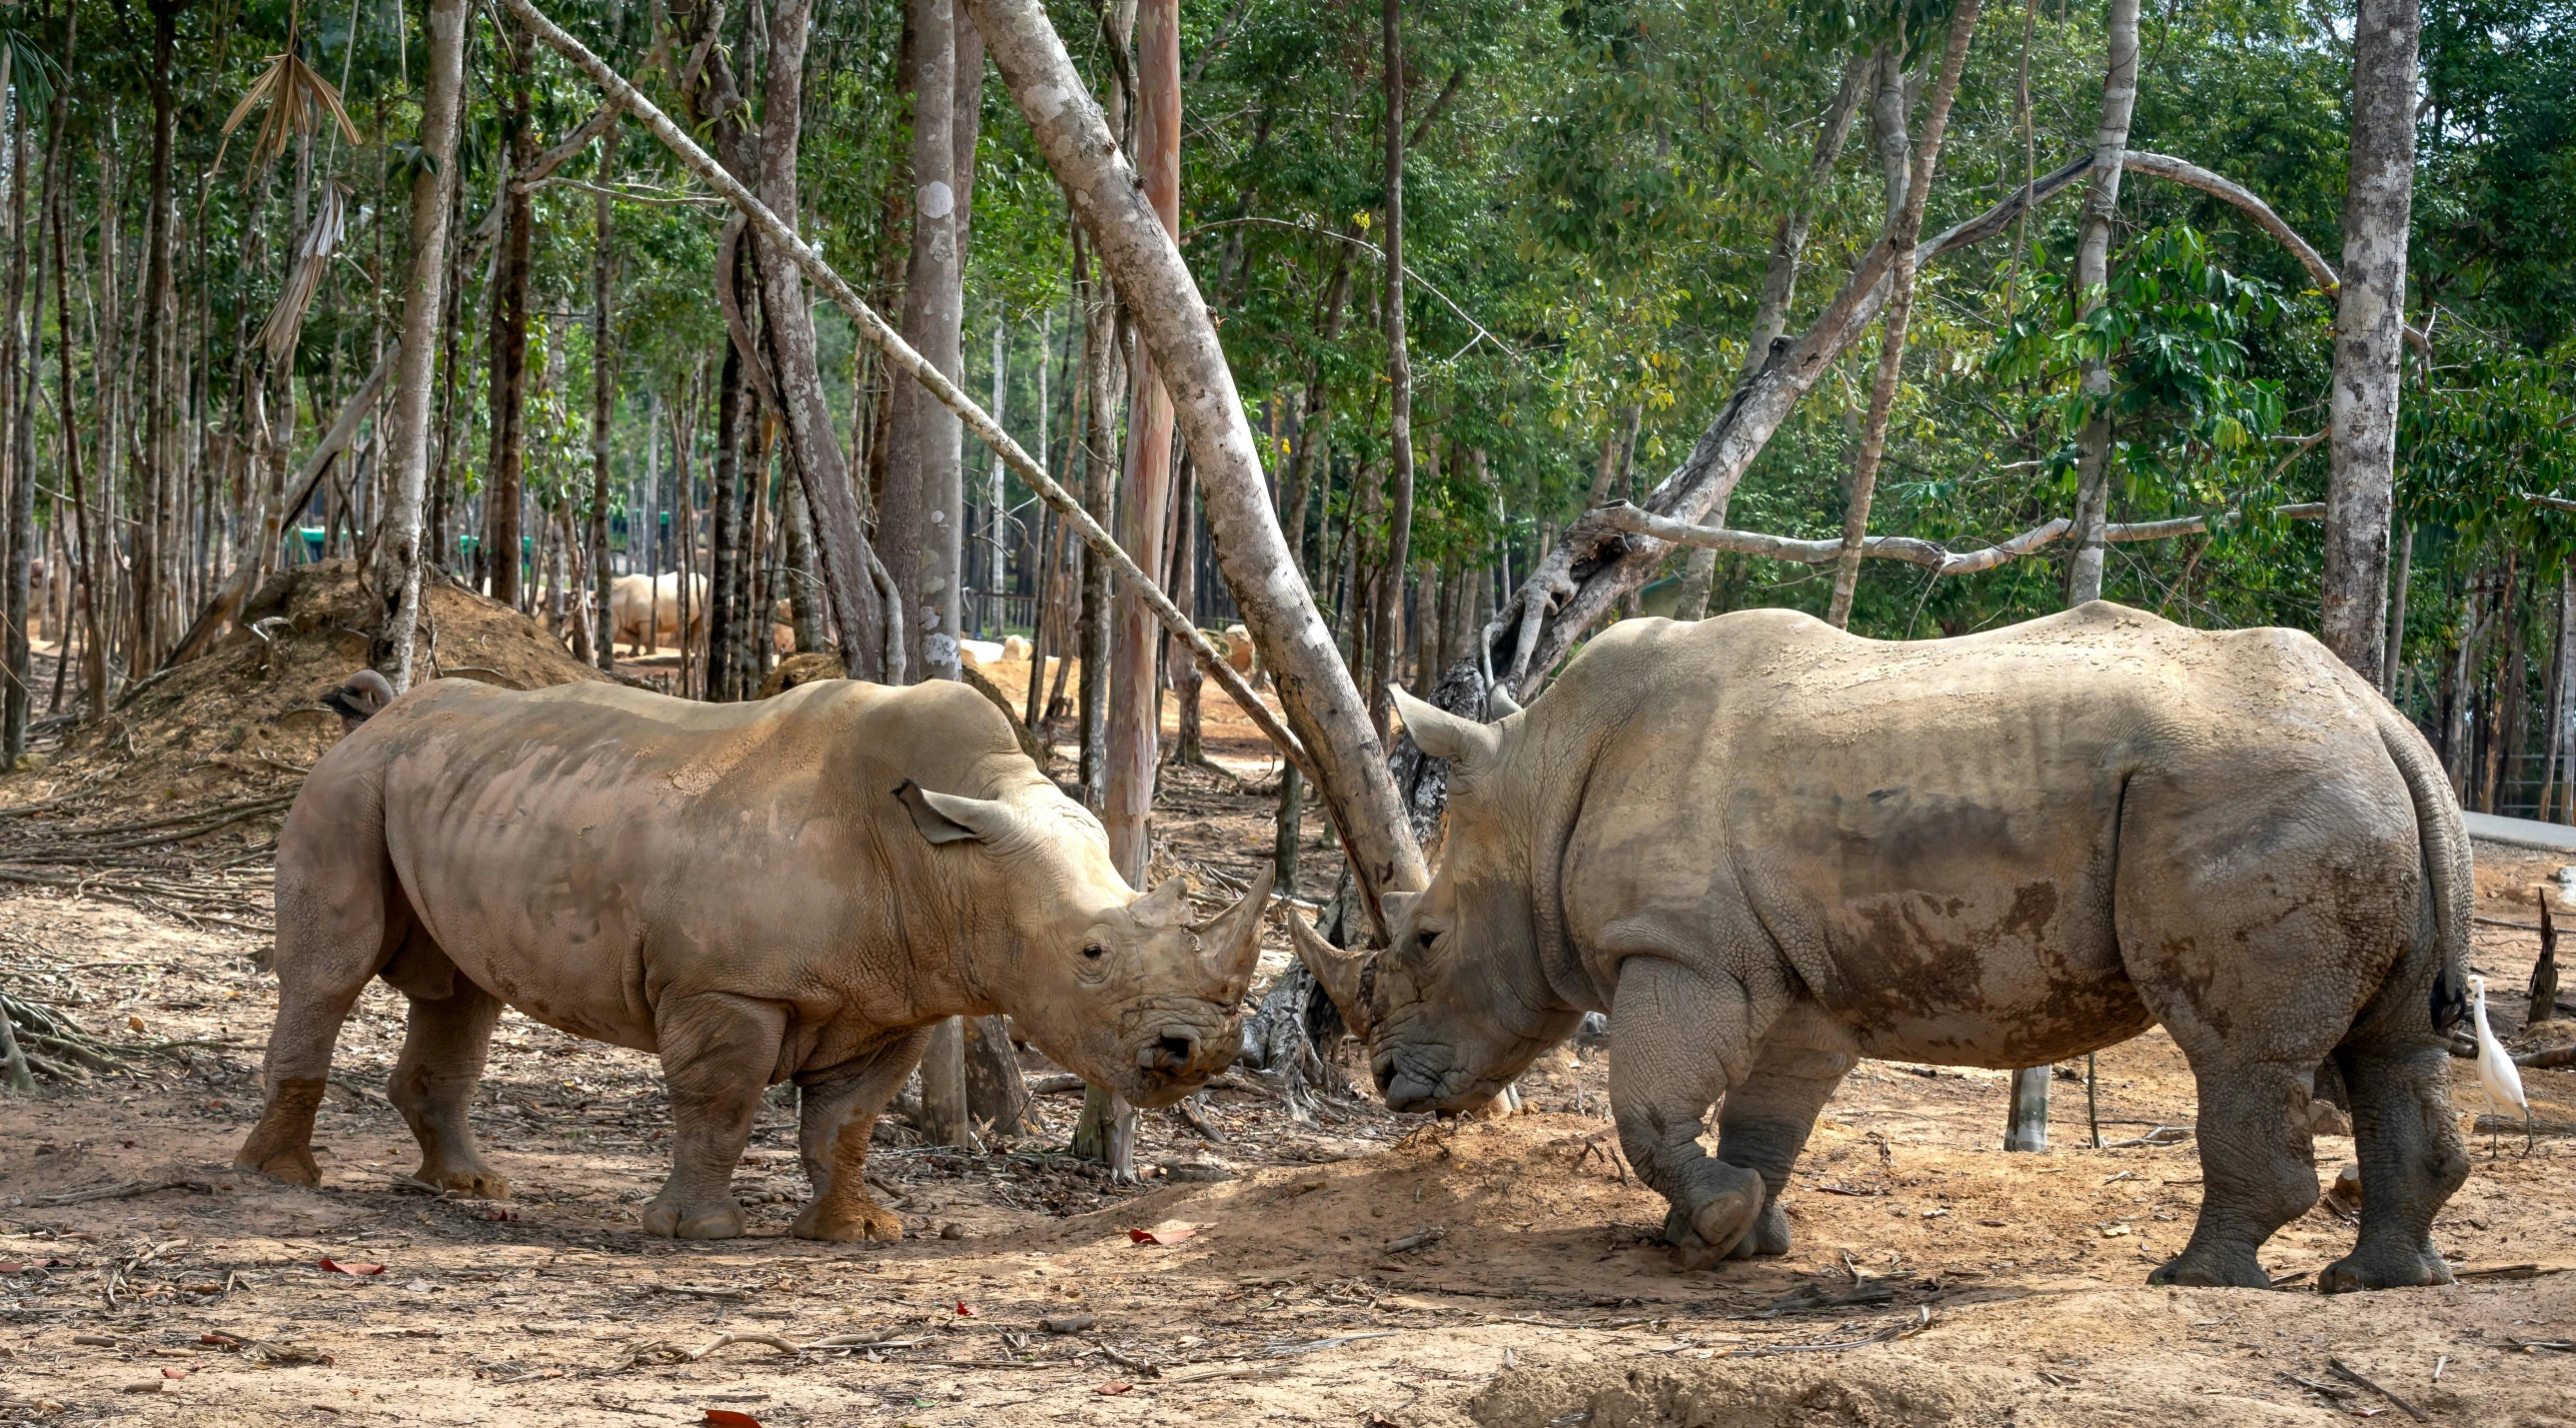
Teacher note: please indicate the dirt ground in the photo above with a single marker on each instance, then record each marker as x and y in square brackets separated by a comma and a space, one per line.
[1362, 1269]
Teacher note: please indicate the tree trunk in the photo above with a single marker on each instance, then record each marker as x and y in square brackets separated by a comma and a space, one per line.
[1323, 706]
[2092, 271]
[603, 401]
[2403, 539]
[1099, 378]
[726, 501]
[1135, 703]
[921, 439]
[1399, 384]
[2370, 310]
[398, 553]
[505, 483]
[996, 1095]
[153, 483]
[1189, 685]
[1905, 224]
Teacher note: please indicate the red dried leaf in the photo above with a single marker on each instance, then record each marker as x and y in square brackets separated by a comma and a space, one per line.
[221, 1341]
[1170, 1232]
[1113, 1389]
[174, 1373]
[727, 1418]
[500, 1213]
[338, 1268]
[965, 1310]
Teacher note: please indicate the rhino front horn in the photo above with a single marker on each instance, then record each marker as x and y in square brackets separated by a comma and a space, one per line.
[1337, 971]
[1233, 939]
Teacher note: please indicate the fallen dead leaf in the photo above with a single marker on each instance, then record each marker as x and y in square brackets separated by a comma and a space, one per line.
[1170, 1232]
[338, 1268]
[1113, 1389]
[728, 1418]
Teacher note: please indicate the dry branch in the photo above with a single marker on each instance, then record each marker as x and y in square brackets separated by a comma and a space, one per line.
[1931, 555]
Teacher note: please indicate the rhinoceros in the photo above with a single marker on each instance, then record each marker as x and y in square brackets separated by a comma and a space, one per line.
[794, 889]
[1767, 848]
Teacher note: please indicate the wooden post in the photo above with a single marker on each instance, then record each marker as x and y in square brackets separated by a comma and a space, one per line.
[2544, 973]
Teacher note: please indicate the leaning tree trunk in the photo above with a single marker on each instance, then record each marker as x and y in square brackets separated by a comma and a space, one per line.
[1322, 704]
[2361, 441]
[398, 556]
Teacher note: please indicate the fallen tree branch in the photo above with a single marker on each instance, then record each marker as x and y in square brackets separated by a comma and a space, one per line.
[809, 260]
[1931, 555]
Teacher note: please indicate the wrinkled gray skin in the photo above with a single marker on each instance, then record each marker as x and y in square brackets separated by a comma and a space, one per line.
[758, 892]
[1767, 848]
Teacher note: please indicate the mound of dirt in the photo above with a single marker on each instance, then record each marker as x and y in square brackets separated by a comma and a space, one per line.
[243, 719]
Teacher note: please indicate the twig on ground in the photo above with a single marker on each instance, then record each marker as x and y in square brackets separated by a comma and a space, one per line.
[2345, 1372]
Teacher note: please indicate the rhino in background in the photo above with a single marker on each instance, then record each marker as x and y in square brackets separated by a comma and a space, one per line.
[793, 889]
[1767, 848]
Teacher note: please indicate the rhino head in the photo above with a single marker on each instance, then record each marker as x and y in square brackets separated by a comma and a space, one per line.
[1120, 988]
[1459, 1002]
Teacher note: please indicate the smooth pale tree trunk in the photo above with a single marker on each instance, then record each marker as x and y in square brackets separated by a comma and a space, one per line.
[1323, 706]
[1905, 225]
[1135, 701]
[398, 554]
[921, 438]
[1399, 380]
[506, 398]
[2092, 271]
[2361, 440]
[965, 128]
[603, 401]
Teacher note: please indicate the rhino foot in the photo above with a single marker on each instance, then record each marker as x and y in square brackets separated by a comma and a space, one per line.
[1769, 1235]
[848, 1224]
[478, 1181]
[718, 1222]
[1705, 1236]
[2210, 1269]
[2373, 1269]
[295, 1167]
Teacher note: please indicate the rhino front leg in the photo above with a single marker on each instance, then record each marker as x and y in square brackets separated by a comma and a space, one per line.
[1764, 1123]
[1678, 1040]
[837, 1115]
[717, 1052]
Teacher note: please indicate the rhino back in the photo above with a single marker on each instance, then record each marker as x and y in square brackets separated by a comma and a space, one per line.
[1931, 834]
[585, 851]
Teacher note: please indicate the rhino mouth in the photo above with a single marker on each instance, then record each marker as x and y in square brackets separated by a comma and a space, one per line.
[1422, 1078]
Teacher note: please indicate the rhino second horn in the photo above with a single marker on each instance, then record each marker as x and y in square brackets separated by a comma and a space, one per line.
[1337, 971]
[1233, 938]
[1443, 735]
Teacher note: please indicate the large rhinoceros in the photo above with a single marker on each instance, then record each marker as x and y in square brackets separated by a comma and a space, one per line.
[795, 889]
[1766, 848]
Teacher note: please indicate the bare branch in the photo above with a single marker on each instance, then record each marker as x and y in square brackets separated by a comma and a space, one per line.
[1931, 555]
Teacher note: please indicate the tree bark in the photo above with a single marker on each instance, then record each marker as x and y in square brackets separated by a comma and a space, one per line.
[727, 502]
[921, 440]
[1099, 485]
[1399, 380]
[1323, 706]
[2092, 272]
[398, 553]
[996, 1095]
[1904, 225]
[2370, 308]
[153, 478]
[1135, 703]
[505, 485]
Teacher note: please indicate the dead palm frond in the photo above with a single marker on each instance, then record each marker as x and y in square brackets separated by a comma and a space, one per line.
[313, 255]
[296, 98]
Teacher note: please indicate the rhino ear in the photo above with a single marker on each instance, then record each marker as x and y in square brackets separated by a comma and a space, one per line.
[1446, 736]
[952, 818]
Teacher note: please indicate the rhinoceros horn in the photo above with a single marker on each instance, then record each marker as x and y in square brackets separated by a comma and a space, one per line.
[1232, 940]
[1339, 973]
[1446, 736]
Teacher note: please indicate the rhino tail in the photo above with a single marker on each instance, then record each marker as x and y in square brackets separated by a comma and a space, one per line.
[2443, 837]
[360, 695]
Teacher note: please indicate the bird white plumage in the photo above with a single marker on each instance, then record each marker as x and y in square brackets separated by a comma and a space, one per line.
[2498, 1077]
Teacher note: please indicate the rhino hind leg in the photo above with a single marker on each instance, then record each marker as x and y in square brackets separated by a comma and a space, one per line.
[2412, 1160]
[2256, 1161]
[836, 1116]
[441, 1062]
[1677, 1041]
[717, 1051]
[1764, 1123]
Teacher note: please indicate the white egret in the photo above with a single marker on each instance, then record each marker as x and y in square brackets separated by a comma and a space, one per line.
[2497, 1076]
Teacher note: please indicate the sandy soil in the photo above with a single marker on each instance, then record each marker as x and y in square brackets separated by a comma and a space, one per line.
[1365, 1269]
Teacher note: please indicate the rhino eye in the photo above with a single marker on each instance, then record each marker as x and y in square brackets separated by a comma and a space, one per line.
[1093, 952]
[1424, 939]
